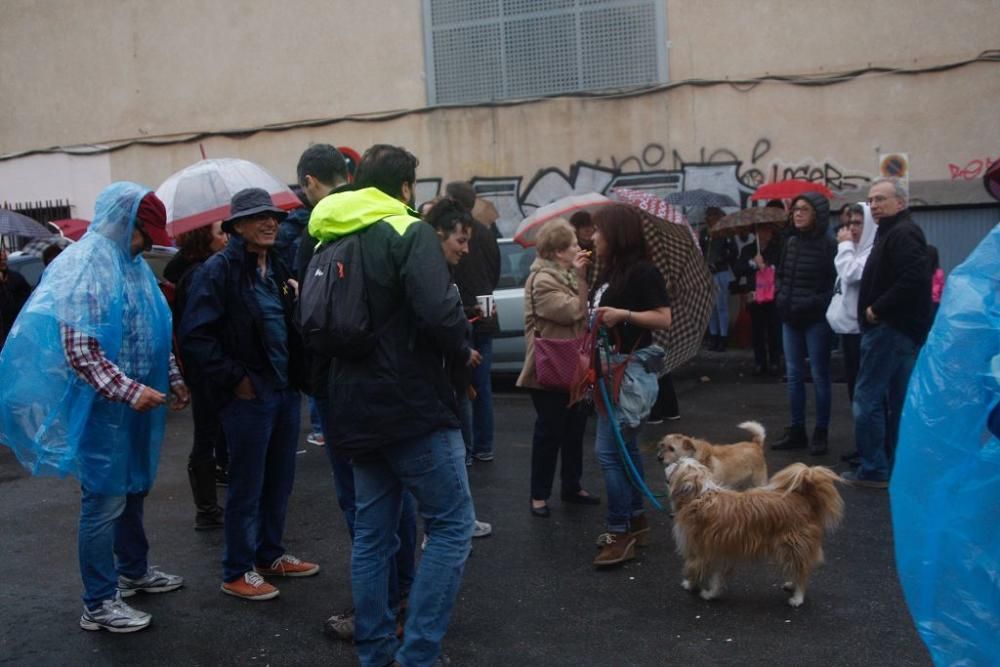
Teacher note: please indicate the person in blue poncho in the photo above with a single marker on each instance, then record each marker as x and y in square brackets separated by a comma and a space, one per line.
[86, 369]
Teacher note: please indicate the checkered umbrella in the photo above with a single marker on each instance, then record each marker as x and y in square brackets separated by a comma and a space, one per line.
[689, 284]
[651, 203]
[37, 247]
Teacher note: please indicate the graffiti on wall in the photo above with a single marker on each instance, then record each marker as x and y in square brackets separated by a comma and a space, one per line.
[972, 169]
[654, 169]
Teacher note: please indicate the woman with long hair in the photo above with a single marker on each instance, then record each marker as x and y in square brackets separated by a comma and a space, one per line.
[631, 300]
[555, 306]
[208, 449]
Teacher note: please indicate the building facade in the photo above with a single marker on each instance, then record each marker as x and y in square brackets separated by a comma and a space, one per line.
[530, 99]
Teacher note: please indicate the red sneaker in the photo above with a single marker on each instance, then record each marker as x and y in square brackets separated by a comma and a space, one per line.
[251, 586]
[288, 566]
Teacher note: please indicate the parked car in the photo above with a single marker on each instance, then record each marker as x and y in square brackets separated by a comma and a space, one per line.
[508, 343]
[31, 267]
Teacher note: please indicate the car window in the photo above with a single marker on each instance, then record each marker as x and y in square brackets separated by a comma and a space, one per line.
[515, 265]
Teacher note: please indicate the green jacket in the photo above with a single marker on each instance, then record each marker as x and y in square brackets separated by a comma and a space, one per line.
[400, 391]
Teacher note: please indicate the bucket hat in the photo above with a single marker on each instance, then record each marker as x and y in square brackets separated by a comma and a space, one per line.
[248, 202]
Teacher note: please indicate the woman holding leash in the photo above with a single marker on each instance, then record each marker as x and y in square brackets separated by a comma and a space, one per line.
[631, 300]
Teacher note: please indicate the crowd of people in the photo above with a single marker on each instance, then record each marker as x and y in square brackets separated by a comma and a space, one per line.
[402, 423]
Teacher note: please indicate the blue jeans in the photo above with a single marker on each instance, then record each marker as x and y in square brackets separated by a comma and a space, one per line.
[482, 406]
[887, 359]
[624, 499]
[110, 530]
[401, 575]
[718, 322]
[432, 468]
[812, 340]
[315, 423]
[262, 435]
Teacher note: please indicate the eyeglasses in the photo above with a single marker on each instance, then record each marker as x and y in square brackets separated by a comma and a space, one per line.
[801, 209]
[855, 223]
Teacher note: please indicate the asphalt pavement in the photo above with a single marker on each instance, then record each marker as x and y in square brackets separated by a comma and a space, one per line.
[530, 595]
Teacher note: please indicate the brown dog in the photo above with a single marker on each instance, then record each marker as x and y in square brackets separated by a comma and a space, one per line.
[740, 465]
[783, 522]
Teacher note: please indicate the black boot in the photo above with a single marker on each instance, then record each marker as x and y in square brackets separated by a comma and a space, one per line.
[794, 438]
[721, 347]
[209, 515]
[819, 442]
[712, 342]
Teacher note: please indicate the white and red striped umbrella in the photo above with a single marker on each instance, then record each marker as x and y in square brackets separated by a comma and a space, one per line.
[199, 195]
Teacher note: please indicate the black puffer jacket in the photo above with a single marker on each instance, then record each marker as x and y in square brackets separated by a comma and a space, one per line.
[806, 273]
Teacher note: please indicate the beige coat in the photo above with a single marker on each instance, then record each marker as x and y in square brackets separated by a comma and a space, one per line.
[560, 314]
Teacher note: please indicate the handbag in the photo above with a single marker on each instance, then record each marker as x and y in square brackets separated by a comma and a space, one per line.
[764, 289]
[557, 360]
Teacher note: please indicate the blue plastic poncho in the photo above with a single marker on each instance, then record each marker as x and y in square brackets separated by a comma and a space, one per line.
[52, 419]
[946, 482]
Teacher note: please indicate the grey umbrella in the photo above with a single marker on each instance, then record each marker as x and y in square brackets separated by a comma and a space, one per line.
[702, 198]
[16, 224]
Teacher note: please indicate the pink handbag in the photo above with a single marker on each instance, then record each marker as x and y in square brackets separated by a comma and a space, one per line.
[558, 361]
[764, 290]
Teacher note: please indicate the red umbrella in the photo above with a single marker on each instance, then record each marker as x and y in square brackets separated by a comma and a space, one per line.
[72, 228]
[789, 190]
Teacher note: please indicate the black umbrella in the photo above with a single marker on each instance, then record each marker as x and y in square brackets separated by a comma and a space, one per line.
[700, 198]
[17, 224]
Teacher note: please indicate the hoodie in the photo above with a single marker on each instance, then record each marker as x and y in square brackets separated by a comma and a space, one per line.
[850, 264]
[401, 390]
[806, 274]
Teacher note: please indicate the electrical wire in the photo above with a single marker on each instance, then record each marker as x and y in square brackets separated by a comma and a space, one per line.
[741, 85]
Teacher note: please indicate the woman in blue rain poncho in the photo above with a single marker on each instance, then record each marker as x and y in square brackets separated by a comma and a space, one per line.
[86, 368]
[946, 482]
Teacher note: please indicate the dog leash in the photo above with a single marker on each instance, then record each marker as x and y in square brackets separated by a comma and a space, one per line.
[634, 478]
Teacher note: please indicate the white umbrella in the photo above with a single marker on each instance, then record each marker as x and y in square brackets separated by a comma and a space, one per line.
[560, 208]
[199, 195]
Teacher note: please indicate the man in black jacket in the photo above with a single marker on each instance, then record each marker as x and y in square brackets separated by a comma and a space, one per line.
[477, 274]
[394, 411]
[894, 306]
[237, 333]
[14, 293]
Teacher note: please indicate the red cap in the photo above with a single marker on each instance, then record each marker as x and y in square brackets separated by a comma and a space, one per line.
[153, 214]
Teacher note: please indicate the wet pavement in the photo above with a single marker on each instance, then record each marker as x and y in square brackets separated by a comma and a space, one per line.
[530, 595]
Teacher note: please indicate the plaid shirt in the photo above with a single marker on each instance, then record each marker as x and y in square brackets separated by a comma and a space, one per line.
[85, 356]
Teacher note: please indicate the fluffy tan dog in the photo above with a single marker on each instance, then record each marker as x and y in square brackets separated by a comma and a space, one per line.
[783, 522]
[740, 465]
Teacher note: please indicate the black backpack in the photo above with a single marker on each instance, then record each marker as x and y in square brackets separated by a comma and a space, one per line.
[333, 314]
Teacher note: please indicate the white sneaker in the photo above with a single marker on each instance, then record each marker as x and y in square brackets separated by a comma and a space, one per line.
[482, 529]
[316, 438]
[114, 616]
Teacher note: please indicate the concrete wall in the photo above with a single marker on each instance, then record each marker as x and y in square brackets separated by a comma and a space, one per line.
[111, 70]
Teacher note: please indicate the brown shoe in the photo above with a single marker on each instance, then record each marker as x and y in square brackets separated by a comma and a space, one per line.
[251, 586]
[618, 548]
[638, 526]
[288, 566]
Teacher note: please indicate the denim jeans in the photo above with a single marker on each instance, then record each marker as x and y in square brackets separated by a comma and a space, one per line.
[718, 322]
[315, 423]
[262, 435]
[812, 340]
[432, 468]
[887, 359]
[401, 575]
[559, 430]
[110, 531]
[482, 406]
[624, 499]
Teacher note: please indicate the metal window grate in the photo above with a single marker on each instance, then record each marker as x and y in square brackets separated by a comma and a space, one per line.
[483, 50]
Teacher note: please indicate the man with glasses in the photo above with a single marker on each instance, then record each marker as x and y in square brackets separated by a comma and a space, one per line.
[237, 331]
[894, 307]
